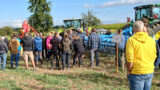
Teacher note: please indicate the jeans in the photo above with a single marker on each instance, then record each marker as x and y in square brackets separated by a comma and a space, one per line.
[92, 52]
[4, 57]
[38, 56]
[19, 52]
[140, 81]
[49, 54]
[66, 59]
[14, 56]
[78, 56]
[55, 56]
[120, 51]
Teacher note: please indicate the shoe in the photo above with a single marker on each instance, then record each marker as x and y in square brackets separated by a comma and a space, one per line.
[91, 66]
[80, 66]
[67, 68]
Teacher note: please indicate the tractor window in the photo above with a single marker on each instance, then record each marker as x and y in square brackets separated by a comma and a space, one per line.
[77, 24]
[156, 11]
[67, 24]
[138, 15]
[146, 13]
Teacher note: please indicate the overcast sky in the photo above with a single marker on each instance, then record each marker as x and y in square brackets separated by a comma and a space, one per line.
[14, 12]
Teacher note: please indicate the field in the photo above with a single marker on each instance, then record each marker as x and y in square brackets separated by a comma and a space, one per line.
[85, 78]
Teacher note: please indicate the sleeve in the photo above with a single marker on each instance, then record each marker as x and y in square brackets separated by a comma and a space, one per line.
[50, 41]
[89, 41]
[129, 51]
[157, 61]
[98, 41]
[32, 44]
[6, 47]
[18, 43]
[7, 41]
[22, 41]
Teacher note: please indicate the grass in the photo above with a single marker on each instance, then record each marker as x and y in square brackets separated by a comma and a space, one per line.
[85, 78]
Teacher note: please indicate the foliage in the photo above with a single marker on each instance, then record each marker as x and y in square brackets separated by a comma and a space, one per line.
[40, 20]
[111, 26]
[7, 30]
[90, 19]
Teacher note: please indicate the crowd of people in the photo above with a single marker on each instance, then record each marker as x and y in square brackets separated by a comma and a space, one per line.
[142, 52]
[52, 48]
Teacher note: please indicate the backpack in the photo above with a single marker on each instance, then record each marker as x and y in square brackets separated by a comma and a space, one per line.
[48, 45]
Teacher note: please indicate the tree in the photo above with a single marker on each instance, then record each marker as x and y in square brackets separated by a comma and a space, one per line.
[40, 20]
[90, 19]
[7, 30]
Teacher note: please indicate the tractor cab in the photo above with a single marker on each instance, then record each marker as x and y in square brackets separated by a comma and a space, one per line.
[151, 12]
[73, 23]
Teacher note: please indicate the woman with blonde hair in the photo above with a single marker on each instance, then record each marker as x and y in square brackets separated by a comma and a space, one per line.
[48, 45]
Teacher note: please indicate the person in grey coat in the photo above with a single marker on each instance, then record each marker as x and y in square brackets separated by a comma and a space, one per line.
[3, 52]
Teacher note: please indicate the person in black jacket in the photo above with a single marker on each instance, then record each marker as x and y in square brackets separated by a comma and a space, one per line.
[27, 43]
[55, 50]
[78, 48]
[3, 52]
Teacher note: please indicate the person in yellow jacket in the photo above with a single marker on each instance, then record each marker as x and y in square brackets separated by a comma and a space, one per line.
[140, 54]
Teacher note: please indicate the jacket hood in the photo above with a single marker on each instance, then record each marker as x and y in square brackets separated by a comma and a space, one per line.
[14, 40]
[66, 39]
[77, 40]
[140, 36]
[27, 37]
[50, 37]
[38, 38]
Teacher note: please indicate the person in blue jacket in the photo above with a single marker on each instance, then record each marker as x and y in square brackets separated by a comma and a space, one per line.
[37, 42]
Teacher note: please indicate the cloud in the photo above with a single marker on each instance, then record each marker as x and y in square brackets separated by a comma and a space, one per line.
[119, 3]
[13, 23]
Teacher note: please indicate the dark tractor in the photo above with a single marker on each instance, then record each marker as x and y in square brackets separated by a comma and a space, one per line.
[150, 14]
[73, 23]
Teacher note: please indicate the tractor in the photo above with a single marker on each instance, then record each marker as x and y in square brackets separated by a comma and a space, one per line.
[74, 23]
[149, 14]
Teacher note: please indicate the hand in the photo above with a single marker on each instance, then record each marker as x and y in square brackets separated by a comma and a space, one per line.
[128, 73]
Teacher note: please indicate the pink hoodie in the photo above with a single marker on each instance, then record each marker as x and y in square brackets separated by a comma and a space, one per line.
[49, 46]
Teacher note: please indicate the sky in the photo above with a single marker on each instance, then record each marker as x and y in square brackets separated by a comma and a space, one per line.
[14, 12]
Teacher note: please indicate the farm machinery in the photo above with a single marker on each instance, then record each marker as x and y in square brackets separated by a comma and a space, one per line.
[74, 23]
[151, 16]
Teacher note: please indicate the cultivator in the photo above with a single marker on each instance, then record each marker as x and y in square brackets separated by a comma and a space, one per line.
[106, 41]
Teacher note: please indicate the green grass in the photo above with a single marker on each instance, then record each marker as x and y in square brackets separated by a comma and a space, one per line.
[111, 26]
[85, 78]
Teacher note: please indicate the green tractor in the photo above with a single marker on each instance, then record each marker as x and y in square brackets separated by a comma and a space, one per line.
[151, 13]
[74, 23]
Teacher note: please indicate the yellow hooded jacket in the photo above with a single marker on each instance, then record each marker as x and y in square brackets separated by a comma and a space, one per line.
[141, 51]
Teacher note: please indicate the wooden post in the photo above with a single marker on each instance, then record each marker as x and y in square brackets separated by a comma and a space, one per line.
[117, 58]
[123, 61]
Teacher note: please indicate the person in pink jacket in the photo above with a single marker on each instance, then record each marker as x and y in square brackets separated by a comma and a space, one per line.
[48, 45]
